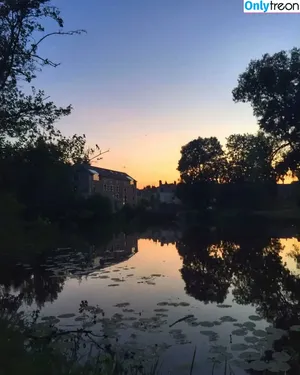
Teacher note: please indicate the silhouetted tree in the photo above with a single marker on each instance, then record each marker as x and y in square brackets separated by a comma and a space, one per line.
[202, 160]
[23, 114]
[271, 86]
[250, 158]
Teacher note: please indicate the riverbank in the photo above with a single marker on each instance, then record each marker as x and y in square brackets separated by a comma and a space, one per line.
[42, 349]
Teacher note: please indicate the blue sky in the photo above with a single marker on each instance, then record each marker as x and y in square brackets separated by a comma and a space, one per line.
[149, 76]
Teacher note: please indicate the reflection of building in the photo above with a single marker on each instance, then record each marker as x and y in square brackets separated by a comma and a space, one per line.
[164, 236]
[119, 249]
[119, 187]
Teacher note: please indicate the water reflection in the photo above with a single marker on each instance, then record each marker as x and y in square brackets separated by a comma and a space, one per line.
[253, 266]
[219, 277]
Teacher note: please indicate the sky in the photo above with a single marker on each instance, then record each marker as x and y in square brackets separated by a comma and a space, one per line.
[150, 76]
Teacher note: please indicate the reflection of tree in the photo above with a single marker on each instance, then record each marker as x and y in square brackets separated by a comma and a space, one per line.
[35, 286]
[266, 283]
[204, 271]
[251, 264]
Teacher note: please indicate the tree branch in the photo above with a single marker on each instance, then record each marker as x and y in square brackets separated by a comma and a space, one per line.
[73, 32]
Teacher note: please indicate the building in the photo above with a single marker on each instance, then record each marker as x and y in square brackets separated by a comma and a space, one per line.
[148, 194]
[167, 193]
[119, 187]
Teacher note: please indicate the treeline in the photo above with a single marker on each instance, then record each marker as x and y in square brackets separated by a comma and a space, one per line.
[246, 171]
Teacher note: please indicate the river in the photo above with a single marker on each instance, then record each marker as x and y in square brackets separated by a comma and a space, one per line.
[241, 294]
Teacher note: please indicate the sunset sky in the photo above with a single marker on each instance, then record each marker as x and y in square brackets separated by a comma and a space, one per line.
[151, 75]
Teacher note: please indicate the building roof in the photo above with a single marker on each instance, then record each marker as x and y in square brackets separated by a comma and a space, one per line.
[167, 188]
[109, 173]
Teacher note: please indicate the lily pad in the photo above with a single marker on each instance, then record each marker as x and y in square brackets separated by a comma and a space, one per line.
[184, 304]
[259, 333]
[258, 365]
[275, 366]
[160, 310]
[249, 325]
[46, 318]
[240, 332]
[113, 285]
[206, 324]
[224, 306]
[238, 325]
[239, 347]
[162, 304]
[217, 323]
[250, 356]
[65, 316]
[255, 317]
[123, 304]
[281, 356]
[228, 319]
[251, 339]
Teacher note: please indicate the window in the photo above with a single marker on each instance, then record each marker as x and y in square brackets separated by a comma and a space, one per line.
[111, 188]
[117, 196]
[124, 190]
[96, 177]
[117, 188]
[104, 187]
[131, 182]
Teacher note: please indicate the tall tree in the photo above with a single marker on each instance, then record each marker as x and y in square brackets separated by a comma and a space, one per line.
[250, 158]
[22, 114]
[272, 86]
[202, 160]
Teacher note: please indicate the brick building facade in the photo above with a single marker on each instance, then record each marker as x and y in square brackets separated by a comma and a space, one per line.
[119, 187]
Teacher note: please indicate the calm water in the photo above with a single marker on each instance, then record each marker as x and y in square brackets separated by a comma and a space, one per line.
[234, 290]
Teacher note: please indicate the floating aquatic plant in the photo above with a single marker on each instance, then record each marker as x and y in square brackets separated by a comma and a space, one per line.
[127, 310]
[65, 316]
[259, 333]
[281, 356]
[122, 304]
[240, 332]
[224, 306]
[206, 324]
[228, 319]
[251, 339]
[255, 317]
[249, 325]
